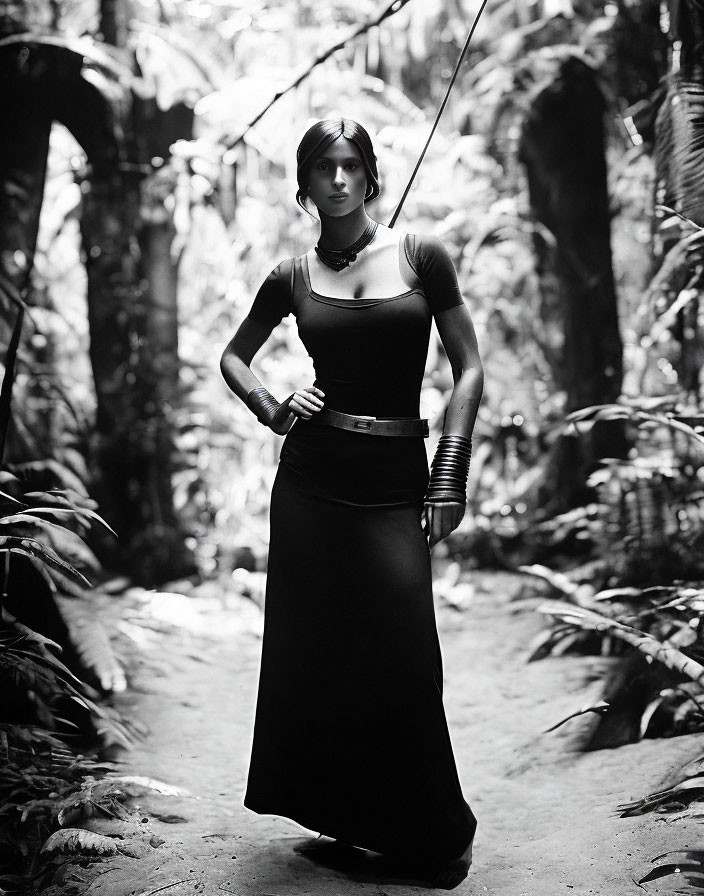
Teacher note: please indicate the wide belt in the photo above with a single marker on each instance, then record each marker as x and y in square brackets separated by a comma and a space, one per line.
[373, 426]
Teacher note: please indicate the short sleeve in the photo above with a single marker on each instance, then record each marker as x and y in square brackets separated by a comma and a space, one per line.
[273, 302]
[432, 263]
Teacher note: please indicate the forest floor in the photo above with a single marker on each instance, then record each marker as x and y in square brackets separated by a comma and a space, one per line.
[548, 820]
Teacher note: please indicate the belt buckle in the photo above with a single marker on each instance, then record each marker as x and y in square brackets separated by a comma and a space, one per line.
[362, 422]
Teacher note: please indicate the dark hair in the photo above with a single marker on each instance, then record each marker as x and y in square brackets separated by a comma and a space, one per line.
[318, 137]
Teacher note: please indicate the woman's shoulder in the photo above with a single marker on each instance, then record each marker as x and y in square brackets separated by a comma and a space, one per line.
[425, 244]
[425, 252]
[273, 300]
[433, 265]
[281, 274]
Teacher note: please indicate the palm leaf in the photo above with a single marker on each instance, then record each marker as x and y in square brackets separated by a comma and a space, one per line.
[34, 469]
[40, 663]
[593, 620]
[29, 547]
[47, 578]
[650, 711]
[544, 642]
[62, 584]
[688, 790]
[637, 416]
[26, 632]
[76, 511]
[558, 580]
[25, 669]
[29, 738]
[683, 868]
[696, 855]
[10, 498]
[63, 541]
[76, 840]
[66, 498]
[680, 147]
[144, 783]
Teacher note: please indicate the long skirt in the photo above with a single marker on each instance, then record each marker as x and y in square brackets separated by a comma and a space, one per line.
[350, 736]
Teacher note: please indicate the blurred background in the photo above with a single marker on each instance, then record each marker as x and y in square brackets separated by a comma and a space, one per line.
[144, 197]
[141, 214]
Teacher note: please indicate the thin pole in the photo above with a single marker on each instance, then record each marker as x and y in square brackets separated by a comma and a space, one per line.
[439, 113]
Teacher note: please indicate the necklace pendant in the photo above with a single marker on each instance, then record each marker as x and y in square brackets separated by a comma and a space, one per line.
[337, 259]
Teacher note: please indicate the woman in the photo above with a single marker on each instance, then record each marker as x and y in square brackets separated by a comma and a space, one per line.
[350, 734]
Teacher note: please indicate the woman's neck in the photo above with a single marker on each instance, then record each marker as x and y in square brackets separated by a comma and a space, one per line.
[336, 233]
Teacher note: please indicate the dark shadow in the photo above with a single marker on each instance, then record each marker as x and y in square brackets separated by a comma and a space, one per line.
[359, 865]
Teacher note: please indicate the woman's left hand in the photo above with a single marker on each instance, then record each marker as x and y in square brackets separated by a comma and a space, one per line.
[303, 403]
[439, 520]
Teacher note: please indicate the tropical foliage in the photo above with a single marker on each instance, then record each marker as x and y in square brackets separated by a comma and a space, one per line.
[646, 526]
[149, 192]
[49, 713]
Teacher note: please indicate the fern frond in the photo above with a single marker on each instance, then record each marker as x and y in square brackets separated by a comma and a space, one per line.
[680, 147]
[92, 643]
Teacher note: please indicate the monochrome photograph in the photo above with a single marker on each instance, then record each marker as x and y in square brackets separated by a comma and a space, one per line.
[351, 447]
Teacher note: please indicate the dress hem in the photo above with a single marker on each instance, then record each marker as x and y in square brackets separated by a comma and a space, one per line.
[414, 856]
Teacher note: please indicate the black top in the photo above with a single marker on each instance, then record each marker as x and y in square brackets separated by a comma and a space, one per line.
[369, 356]
[369, 353]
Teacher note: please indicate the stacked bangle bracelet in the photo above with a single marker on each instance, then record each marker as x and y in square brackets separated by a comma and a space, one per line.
[263, 403]
[449, 471]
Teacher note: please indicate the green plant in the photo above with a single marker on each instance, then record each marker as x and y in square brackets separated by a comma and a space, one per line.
[46, 706]
[650, 507]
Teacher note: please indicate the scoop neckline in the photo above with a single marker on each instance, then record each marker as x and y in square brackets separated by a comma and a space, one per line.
[306, 276]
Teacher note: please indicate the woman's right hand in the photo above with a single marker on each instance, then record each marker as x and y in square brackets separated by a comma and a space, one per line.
[303, 403]
[307, 402]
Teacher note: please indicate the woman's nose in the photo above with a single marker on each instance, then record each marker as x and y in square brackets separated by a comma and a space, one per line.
[339, 178]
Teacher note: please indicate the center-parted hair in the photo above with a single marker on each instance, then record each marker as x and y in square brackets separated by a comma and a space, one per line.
[316, 140]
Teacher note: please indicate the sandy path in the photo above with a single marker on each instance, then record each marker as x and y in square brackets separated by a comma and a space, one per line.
[547, 821]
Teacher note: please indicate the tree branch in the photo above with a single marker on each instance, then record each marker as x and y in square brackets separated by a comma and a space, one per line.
[390, 10]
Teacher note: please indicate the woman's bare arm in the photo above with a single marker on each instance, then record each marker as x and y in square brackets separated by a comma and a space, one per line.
[460, 343]
[238, 355]
[235, 366]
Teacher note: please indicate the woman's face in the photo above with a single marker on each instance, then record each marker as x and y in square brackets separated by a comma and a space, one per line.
[337, 181]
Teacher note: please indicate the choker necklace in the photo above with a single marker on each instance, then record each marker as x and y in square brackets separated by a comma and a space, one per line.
[337, 259]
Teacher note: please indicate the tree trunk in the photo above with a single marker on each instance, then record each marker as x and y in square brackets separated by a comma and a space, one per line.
[134, 354]
[562, 147]
[134, 350]
[23, 161]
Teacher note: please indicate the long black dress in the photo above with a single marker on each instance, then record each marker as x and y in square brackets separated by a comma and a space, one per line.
[350, 735]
